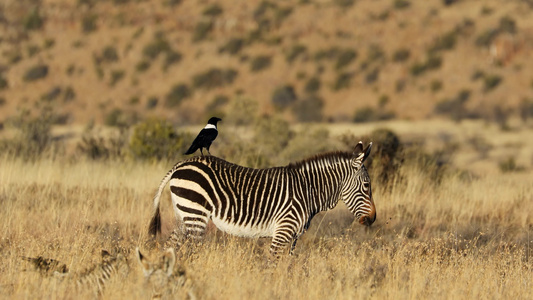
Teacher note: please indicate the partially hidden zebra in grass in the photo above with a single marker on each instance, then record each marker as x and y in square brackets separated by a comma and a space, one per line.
[167, 278]
[91, 280]
[275, 202]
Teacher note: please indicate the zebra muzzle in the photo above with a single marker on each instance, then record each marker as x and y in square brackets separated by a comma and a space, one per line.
[368, 219]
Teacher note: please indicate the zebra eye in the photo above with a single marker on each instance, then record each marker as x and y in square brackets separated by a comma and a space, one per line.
[366, 185]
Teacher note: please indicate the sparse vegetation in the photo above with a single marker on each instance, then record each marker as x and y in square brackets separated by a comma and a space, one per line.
[283, 97]
[36, 72]
[156, 139]
[260, 63]
[177, 94]
[214, 78]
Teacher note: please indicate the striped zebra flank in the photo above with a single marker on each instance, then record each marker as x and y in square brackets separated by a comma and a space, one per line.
[167, 278]
[276, 202]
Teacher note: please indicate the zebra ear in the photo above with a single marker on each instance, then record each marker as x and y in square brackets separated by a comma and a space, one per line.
[358, 156]
[170, 260]
[367, 151]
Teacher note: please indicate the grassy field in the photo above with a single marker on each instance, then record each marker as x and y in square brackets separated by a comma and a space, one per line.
[466, 235]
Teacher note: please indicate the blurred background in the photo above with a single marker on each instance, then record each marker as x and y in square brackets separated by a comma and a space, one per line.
[97, 75]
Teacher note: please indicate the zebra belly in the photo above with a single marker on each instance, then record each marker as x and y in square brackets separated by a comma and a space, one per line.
[243, 230]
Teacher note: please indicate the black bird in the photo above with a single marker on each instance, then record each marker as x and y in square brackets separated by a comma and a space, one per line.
[205, 137]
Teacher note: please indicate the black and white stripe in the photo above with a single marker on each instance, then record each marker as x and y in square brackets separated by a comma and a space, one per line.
[275, 202]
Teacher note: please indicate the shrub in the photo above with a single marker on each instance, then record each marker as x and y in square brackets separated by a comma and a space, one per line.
[216, 105]
[509, 165]
[444, 42]
[491, 82]
[156, 139]
[272, 134]
[156, 47]
[345, 58]
[96, 147]
[312, 85]
[435, 85]
[69, 94]
[401, 4]
[177, 94]
[33, 20]
[36, 72]
[172, 57]
[454, 107]
[283, 97]
[507, 25]
[3, 82]
[109, 54]
[202, 30]
[344, 3]
[343, 81]
[486, 38]
[309, 109]
[213, 10]
[52, 94]
[401, 55]
[214, 78]
[88, 23]
[242, 111]
[260, 63]
[372, 75]
[116, 76]
[295, 52]
[233, 46]
[152, 102]
[143, 65]
[432, 62]
[526, 109]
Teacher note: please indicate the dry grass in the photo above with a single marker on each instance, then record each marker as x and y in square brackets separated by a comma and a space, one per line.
[465, 237]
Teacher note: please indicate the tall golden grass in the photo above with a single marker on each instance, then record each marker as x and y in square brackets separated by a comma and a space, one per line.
[462, 237]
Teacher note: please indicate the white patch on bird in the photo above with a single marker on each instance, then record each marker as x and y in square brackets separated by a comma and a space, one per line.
[210, 126]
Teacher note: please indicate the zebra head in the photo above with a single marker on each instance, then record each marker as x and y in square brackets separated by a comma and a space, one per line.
[357, 192]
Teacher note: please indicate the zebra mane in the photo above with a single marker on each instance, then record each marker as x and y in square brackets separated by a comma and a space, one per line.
[330, 157]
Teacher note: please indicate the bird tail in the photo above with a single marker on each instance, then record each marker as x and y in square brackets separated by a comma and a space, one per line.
[191, 150]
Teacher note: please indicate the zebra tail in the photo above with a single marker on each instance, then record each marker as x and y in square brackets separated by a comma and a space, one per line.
[155, 222]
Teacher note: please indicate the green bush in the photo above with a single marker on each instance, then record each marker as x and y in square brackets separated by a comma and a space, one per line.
[202, 30]
[454, 107]
[143, 65]
[295, 52]
[172, 57]
[283, 97]
[116, 76]
[432, 62]
[312, 85]
[88, 23]
[33, 20]
[401, 55]
[260, 63]
[345, 58]
[214, 78]
[343, 81]
[109, 54]
[154, 48]
[156, 139]
[233, 46]
[372, 75]
[3, 82]
[213, 10]
[177, 94]
[96, 147]
[401, 4]
[491, 82]
[36, 72]
[435, 85]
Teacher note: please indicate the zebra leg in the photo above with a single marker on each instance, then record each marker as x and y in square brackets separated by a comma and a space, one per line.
[283, 235]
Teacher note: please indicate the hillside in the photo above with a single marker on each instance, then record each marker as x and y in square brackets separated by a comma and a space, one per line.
[120, 61]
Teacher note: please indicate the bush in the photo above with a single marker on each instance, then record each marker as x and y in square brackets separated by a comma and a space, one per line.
[260, 63]
[526, 109]
[345, 58]
[295, 52]
[116, 76]
[232, 46]
[109, 54]
[156, 139]
[491, 82]
[454, 107]
[143, 65]
[242, 111]
[401, 55]
[509, 165]
[156, 47]
[152, 102]
[96, 147]
[444, 42]
[309, 109]
[213, 10]
[88, 23]
[33, 20]
[173, 57]
[435, 85]
[177, 94]
[313, 85]
[3, 82]
[202, 30]
[214, 78]
[36, 72]
[216, 105]
[343, 81]
[432, 62]
[372, 75]
[283, 97]
[401, 4]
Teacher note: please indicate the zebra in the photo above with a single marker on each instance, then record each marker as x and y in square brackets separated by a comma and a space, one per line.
[276, 202]
[166, 277]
